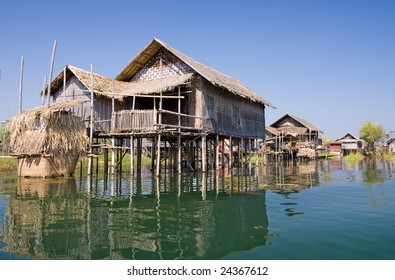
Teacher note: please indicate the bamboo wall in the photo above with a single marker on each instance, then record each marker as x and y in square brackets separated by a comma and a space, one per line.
[226, 113]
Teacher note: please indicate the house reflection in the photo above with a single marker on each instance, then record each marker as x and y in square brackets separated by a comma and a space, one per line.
[180, 217]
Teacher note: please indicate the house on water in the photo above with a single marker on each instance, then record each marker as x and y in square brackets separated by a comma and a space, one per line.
[184, 109]
[347, 144]
[292, 136]
[391, 145]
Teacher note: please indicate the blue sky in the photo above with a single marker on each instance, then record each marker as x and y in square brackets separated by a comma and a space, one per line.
[330, 62]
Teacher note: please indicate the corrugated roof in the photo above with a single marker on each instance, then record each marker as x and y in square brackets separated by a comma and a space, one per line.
[211, 75]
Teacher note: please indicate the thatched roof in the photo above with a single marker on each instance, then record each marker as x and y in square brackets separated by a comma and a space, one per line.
[156, 86]
[48, 131]
[302, 122]
[108, 87]
[211, 75]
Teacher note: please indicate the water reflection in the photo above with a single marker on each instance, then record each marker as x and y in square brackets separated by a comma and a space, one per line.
[193, 216]
[176, 217]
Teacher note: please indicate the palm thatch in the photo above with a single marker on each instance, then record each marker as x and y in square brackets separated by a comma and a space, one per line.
[109, 88]
[48, 131]
[156, 86]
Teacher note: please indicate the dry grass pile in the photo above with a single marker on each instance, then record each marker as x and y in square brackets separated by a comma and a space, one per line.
[49, 131]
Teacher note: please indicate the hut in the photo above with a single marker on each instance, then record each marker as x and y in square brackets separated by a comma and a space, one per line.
[293, 136]
[48, 140]
[350, 144]
[182, 107]
[391, 145]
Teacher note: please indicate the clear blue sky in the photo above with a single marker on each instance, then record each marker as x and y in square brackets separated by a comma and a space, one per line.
[330, 62]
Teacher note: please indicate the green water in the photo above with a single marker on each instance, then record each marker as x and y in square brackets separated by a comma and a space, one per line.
[314, 210]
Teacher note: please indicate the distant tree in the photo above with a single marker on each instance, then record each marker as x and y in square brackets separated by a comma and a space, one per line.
[4, 139]
[372, 133]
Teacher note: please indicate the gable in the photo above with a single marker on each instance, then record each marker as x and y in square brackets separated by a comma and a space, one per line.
[288, 122]
[162, 65]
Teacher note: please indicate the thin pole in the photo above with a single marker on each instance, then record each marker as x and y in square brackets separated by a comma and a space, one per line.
[50, 73]
[91, 125]
[43, 96]
[20, 85]
[230, 152]
[139, 148]
[179, 133]
[216, 144]
[64, 83]
[159, 132]
[204, 150]
[131, 155]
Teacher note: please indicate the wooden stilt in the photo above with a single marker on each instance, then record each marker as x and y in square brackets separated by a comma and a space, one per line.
[216, 152]
[112, 169]
[153, 155]
[120, 159]
[105, 151]
[223, 154]
[249, 154]
[90, 124]
[131, 155]
[256, 152]
[158, 156]
[139, 154]
[230, 152]
[165, 156]
[97, 166]
[179, 151]
[204, 151]
[239, 153]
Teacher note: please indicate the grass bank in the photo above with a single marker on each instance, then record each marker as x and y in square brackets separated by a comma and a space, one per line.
[8, 164]
[353, 158]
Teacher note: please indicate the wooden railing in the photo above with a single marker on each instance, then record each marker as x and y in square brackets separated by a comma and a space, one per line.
[148, 121]
[133, 120]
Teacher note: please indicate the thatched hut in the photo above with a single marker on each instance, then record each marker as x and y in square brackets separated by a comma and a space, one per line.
[162, 92]
[48, 140]
[294, 136]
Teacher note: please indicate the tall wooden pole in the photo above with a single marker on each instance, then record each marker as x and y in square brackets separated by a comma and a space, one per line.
[204, 151]
[50, 73]
[21, 85]
[131, 155]
[230, 152]
[179, 148]
[43, 96]
[216, 144]
[64, 83]
[91, 125]
[112, 169]
[160, 129]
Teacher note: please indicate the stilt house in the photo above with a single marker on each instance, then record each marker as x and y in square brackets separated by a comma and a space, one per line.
[293, 135]
[164, 93]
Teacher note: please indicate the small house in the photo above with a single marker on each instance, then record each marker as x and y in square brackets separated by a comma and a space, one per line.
[293, 135]
[391, 145]
[350, 144]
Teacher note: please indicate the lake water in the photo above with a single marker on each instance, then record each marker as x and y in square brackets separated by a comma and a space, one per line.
[307, 210]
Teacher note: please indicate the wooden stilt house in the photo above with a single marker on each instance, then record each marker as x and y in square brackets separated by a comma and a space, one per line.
[169, 98]
[293, 136]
